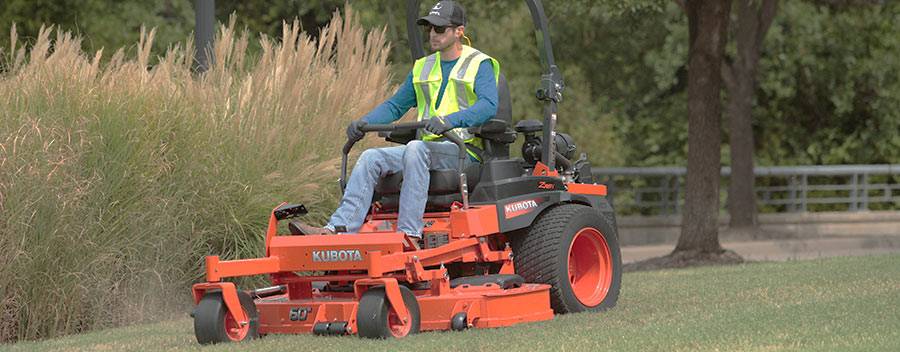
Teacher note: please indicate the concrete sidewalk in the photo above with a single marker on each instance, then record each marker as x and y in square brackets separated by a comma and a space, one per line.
[786, 249]
[788, 236]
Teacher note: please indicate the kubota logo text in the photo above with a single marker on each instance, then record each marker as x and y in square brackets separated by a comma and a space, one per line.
[351, 255]
[518, 208]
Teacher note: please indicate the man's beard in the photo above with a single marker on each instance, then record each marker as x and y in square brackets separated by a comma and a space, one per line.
[445, 46]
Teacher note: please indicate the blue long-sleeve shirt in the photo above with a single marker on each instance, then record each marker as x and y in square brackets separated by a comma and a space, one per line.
[485, 106]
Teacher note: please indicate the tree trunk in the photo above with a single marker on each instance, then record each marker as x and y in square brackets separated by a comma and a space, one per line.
[741, 197]
[707, 25]
[754, 19]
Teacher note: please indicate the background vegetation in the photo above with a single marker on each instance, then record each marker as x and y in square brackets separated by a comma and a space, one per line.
[117, 177]
[119, 169]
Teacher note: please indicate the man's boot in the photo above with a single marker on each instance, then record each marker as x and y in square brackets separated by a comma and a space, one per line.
[299, 228]
[412, 243]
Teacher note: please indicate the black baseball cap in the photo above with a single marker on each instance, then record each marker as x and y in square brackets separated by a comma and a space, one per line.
[443, 14]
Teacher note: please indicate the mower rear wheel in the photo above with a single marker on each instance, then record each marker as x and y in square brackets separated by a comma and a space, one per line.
[213, 323]
[574, 249]
[376, 319]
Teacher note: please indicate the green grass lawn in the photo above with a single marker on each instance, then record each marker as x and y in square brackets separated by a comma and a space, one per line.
[849, 303]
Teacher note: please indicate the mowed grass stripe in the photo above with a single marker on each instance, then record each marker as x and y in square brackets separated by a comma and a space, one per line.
[848, 303]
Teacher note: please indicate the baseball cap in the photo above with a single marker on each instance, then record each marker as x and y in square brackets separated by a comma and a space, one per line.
[445, 13]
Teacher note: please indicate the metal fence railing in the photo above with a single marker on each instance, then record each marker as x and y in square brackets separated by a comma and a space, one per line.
[660, 190]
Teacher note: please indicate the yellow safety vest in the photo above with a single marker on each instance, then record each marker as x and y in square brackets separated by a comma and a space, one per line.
[459, 94]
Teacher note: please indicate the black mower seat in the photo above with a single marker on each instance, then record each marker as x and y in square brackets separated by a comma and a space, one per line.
[438, 202]
[443, 188]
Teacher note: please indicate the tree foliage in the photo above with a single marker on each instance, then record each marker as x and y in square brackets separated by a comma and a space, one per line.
[102, 23]
[830, 84]
[828, 78]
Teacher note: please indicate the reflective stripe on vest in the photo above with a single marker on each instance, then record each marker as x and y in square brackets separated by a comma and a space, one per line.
[459, 93]
[426, 90]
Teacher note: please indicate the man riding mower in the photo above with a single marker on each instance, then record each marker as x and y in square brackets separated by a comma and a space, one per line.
[443, 103]
[459, 234]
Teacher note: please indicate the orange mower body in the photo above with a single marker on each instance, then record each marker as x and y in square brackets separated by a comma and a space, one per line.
[351, 277]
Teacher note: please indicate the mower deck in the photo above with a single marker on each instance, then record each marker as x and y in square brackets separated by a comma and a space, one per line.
[381, 259]
[485, 306]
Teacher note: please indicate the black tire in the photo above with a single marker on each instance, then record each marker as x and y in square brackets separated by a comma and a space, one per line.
[459, 322]
[210, 319]
[542, 255]
[374, 311]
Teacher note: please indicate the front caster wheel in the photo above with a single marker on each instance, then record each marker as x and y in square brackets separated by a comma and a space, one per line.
[459, 322]
[214, 324]
[376, 319]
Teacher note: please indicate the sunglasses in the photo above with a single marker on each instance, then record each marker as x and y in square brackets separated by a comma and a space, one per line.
[437, 29]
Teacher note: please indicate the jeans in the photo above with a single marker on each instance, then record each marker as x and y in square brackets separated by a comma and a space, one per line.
[413, 160]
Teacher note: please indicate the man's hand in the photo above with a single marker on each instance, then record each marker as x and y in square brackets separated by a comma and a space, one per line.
[353, 131]
[437, 125]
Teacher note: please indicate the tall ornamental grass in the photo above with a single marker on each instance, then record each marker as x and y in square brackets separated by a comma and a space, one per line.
[117, 176]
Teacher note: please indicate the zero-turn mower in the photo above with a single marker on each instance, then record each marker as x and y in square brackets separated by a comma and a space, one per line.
[506, 241]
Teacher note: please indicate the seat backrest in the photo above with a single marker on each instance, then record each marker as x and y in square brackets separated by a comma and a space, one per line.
[504, 113]
[504, 103]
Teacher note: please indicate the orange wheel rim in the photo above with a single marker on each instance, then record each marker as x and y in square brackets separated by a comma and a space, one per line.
[590, 266]
[235, 331]
[397, 327]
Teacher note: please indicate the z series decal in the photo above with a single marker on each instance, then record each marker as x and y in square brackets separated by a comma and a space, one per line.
[522, 207]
